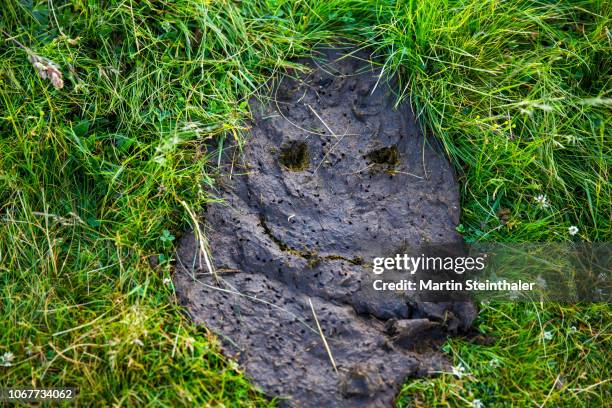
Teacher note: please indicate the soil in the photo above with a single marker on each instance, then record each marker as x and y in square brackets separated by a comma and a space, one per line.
[332, 175]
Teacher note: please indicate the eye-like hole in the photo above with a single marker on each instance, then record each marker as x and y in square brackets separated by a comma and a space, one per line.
[294, 156]
[385, 155]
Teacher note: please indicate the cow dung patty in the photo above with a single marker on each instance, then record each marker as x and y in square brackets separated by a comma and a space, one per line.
[331, 176]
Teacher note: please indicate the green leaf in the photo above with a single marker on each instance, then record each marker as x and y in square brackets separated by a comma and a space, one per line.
[81, 128]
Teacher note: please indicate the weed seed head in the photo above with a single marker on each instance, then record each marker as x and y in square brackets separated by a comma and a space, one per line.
[47, 69]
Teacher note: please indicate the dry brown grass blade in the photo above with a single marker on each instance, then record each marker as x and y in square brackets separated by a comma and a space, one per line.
[329, 353]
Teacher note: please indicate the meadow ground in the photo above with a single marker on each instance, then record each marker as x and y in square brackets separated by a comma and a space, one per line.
[97, 177]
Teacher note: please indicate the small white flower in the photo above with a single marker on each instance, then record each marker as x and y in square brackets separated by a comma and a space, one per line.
[138, 342]
[234, 365]
[541, 282]
[166, 26]
[458, 371]
[7, 359]
[548, 335]
[494, 363]
[477, 404]
[167, 281]
[112, 358]
[542, 201]
[159, 159]
[573, 230]
[189, 342]
[573, 329]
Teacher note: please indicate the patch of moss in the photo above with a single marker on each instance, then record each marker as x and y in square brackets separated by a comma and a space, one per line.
[385, 155]
[294, 156]
[313, 262]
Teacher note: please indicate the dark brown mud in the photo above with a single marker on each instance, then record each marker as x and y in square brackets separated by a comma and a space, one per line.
[330, 177]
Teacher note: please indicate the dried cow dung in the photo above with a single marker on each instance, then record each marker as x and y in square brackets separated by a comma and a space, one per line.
[330, 177]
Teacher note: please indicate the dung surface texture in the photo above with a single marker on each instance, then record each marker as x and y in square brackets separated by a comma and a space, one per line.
[330, 177]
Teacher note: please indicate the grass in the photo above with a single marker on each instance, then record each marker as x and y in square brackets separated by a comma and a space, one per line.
[95, 178]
